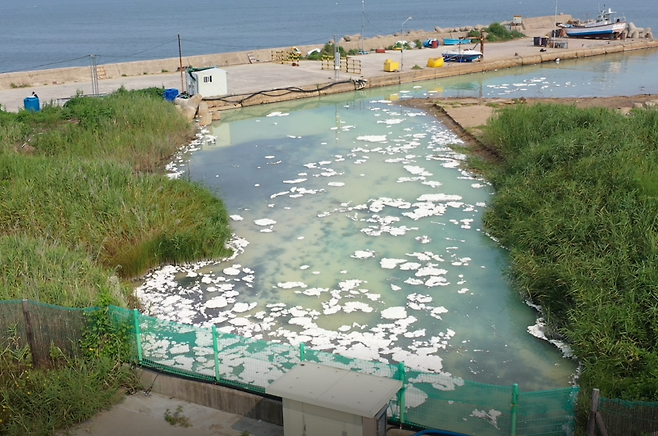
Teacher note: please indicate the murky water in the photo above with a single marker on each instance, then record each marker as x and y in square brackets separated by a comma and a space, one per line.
[365, 239]
[360, 230]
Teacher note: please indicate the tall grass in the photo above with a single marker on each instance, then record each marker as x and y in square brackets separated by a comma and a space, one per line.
[38, 402]
[83, 201]
[85, 178]
[577, 205]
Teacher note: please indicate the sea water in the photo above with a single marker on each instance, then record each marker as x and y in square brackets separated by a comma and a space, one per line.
[40, 34]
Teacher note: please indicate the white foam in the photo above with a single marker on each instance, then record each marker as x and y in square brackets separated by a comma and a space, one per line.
[264, 222]
[398, 312]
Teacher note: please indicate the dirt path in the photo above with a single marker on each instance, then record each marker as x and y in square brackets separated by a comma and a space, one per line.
[466, 116]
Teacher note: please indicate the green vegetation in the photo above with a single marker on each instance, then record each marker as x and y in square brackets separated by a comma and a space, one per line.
[80, 186]
[38, 402]
[83, 202]
[577, 207]
[497, 32]
[177, 418]
[328, 51]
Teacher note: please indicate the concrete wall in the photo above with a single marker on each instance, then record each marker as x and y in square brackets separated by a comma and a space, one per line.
[215, 396]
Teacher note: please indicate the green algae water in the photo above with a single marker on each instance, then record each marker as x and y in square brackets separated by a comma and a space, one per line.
[359, 232]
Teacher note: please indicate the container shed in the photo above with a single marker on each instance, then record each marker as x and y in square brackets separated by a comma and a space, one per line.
[322, 400]
[209, 82]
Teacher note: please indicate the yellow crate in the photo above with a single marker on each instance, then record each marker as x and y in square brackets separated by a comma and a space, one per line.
[390, 66]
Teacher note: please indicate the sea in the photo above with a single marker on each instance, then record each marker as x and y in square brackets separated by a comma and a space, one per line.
[43, 34]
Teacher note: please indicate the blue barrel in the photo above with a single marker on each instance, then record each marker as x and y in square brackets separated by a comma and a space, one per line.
[31, 104]
[170, 94]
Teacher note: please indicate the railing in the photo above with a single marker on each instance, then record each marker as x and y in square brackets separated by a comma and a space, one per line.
[347, 65]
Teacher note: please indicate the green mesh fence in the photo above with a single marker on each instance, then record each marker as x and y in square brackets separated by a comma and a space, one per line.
[632, 418]
[426, 400]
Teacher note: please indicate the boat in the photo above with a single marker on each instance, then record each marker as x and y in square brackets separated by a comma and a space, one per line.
[431, 43]
[603, 27]
[456, 41]
[461, 55]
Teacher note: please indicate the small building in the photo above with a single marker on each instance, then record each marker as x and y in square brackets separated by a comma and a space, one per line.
[208, 82]
[322, 400]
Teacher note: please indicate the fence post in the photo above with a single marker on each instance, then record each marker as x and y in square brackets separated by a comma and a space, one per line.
[515, 405]
[138, 336]
[30, 334]
[593, 409]
[401, 403]
[215, 349]
[302, 352]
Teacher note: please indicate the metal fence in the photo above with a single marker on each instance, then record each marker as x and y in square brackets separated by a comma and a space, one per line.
[425, 401]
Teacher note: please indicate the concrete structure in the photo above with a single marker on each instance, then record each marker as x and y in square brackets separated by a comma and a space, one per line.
[318, 399]
[207, 82]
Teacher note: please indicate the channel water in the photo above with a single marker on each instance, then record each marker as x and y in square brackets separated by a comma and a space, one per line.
[359, 230]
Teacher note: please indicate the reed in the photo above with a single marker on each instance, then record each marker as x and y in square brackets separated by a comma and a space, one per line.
[577, 205]
[89, 192]
[82, 201]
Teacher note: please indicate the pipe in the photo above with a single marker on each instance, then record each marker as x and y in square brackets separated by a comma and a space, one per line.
[438, 432]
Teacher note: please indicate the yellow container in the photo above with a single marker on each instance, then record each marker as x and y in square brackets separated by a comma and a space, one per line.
[435, 62]
[390, 66]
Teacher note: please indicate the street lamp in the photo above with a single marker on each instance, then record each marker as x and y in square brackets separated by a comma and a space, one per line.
[402, 42]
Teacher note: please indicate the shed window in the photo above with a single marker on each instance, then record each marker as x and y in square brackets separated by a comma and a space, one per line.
[207, 79]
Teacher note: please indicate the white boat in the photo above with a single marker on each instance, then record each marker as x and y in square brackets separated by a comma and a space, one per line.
[461, 55]
[603, 27]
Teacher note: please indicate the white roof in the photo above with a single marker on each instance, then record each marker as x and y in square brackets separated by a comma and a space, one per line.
[336, 389]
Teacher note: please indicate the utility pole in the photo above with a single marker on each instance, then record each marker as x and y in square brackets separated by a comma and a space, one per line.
[180, 60]
[363, 24]
[402, 42]
[93, 65]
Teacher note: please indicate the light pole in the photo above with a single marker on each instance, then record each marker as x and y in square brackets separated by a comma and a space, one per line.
[402, 42]
[363, 24]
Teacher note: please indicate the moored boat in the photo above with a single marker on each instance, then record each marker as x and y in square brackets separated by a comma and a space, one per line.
[461, 55]
[605, 26]
[456, 41]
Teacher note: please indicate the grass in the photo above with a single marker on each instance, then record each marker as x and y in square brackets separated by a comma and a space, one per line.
[84, 203]
[177, 418]
[496, 32]
[39, 402]
[91, 187]
[577, 205]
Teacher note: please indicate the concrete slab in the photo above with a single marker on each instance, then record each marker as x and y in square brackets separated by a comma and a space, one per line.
[140, 414]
